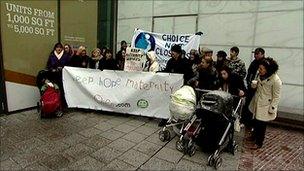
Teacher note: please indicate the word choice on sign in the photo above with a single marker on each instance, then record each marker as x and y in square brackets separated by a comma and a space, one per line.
[175, 38]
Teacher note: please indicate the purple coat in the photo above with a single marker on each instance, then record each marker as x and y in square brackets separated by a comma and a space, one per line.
[54, 63]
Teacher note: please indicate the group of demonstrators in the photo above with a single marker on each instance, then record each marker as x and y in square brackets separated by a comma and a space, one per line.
[262, 89]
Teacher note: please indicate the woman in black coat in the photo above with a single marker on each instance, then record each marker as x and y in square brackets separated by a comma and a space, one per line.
[108, 62]
[231, 82]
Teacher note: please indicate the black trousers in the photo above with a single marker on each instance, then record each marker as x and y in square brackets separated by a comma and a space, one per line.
[259, 132]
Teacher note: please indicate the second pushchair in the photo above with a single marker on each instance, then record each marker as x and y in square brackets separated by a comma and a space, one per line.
[215, 109]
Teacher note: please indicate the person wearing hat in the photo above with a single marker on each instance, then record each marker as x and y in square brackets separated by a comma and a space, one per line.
[177, 64]
[259, 55]
[206, 52]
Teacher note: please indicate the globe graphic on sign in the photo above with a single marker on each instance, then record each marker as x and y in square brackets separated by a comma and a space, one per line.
[145, 41]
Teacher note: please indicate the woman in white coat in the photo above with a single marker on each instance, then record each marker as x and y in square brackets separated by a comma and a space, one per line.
[264, 104]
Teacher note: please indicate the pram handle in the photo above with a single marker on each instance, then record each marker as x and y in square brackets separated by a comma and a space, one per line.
[202, 90]
[206, 91]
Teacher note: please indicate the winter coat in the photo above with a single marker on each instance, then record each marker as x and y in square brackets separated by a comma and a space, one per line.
[208, 79]
[264, 104]
[54, 62]
[152, 64]
[93, 63]
[79, 61]
[180, 66]
[237, 66]
[234, 83]
[109, 64]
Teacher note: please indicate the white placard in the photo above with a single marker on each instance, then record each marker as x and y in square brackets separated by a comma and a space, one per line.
[134, 59]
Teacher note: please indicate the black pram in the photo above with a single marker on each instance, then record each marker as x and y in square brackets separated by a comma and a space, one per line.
[215, 109]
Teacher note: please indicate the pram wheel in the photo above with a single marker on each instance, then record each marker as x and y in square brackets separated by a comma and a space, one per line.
[59, 113]
[164, 135]
[215, 161]
[218, 162]
[211, 160]
[179, 145]
[192, 150]
[235, 149]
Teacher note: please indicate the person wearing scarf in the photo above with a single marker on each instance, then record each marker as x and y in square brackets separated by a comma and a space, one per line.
[57, 60]
[94, 60]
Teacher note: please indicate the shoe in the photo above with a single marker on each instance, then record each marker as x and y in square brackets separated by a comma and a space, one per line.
[252, 146]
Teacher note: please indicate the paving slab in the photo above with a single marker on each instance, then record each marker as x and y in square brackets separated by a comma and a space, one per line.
[135, 122]
[26, 159]
[9, 164]
[170, 155]
[106, 154]
[146, 130]
[147, 147]
[104, 126]
[135, 137]
[55, 162]
[157, 164]
[124, 128]
[184, 164]
[112, 134]
[119, 165]
[37, 166]
[121, 145]
[90, 132]
[77, 152]
[87, 163]
[73, 139]
[135, 158]
[97, 142]
[54, 147]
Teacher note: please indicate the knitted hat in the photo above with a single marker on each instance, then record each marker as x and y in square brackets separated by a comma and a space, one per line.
[176, 48]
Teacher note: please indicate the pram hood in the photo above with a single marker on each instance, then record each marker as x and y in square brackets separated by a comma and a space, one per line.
[42, 75]
[218, 102]
[183, 102]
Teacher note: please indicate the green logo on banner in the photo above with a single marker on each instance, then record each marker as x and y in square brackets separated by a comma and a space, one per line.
[142, 103]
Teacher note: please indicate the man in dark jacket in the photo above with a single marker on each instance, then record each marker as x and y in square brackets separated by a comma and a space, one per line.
[259, 54]
[177, 64]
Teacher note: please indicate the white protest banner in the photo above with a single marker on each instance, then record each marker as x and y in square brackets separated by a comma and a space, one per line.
[134, 59]
[161, 43]
[138, 93]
